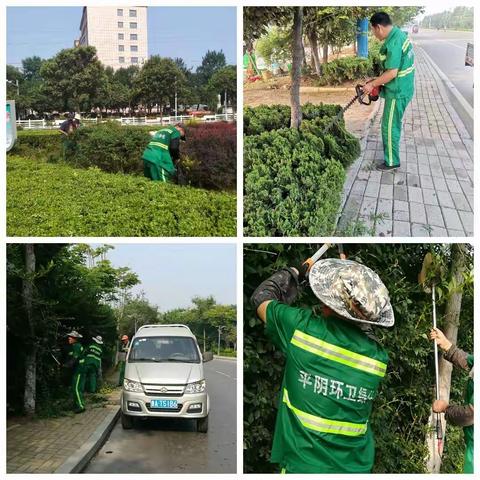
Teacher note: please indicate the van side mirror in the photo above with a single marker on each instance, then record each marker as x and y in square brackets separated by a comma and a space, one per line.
[207, 356]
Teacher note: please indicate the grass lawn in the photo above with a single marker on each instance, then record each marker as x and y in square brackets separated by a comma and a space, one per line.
[46, 199]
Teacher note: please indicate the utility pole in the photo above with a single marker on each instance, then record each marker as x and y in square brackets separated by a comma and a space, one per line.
[219, 331]
[226, 117]
[176, 100]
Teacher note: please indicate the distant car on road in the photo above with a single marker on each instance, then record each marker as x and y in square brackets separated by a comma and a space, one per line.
[164, 377]
[469, 55]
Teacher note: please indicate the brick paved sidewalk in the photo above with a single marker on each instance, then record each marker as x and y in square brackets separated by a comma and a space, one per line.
[42, 445]
[431, 194]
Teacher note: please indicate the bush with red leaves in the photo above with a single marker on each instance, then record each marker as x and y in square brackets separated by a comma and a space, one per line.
[209, 156]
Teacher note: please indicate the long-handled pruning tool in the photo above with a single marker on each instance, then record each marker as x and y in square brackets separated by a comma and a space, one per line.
[309, 262]
[428, 278]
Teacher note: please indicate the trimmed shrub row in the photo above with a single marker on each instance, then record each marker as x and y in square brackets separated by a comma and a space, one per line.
[208, 157]
[294, 178]
[58, 200]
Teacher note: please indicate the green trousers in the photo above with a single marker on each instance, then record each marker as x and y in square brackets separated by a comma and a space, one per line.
[155, 172]
[121, 374]
[91, 375]
[392, 119]
[78, 385]
[468, 463]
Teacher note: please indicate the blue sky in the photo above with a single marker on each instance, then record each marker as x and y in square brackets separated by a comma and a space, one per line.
[171, 275]
[186, 32]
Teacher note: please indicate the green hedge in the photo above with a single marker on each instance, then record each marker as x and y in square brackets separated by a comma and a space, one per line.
[345, 69]
[294, 178]
[291, 189]
[208, 157]
[57, 200]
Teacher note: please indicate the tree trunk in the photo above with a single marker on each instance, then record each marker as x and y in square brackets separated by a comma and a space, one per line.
[297, 54]
[325, 54]
[312, 38]
[450, 329]
[29, 394]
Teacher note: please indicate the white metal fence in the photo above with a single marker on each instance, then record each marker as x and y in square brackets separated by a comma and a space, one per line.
[44, 124]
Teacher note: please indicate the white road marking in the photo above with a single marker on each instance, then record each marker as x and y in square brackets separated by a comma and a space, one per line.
[224, 374]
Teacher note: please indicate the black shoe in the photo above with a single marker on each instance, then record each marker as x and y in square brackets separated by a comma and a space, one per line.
[79, 410]
[386, 168]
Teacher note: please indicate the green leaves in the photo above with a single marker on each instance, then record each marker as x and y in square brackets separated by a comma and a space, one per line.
[58, 200]
[294, 178]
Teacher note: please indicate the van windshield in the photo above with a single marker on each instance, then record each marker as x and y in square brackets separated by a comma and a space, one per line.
[164, 349]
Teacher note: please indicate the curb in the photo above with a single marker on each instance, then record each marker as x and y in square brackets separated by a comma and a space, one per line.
[353, 170]
[448, 84]
[220, 357]
[79, 460]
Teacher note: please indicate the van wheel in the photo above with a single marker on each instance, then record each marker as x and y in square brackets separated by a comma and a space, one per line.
[202, 425]
[127, 422]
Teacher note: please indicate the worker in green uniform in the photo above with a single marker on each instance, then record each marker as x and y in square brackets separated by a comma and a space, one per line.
[93, 364]
[459, 415]
[334, 365]
[122, 357]
[162, 152]
[76, 363]
[396, 84]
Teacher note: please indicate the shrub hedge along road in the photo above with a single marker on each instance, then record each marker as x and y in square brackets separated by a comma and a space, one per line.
[45, 199]
[208, 157]
[294, 178]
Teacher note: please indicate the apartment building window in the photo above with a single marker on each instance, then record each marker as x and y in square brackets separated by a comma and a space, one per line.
[121, 36]
[121, 59]
[121, 48]
[134, 48]
[119, 12]
[120, 24]
[133, 59]
[133, 24]
[132, 13]
[133, 36]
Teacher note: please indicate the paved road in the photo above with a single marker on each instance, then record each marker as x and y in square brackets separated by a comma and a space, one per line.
[165, 446]
[447, 50]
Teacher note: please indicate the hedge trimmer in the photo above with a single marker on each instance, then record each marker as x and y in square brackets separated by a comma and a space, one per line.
[360, 96]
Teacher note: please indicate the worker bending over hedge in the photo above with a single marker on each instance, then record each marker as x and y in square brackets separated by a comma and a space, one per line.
[162, 153]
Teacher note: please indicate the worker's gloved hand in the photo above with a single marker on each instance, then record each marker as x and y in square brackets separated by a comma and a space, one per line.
[281, 286]
[439, 406]
[442, 341]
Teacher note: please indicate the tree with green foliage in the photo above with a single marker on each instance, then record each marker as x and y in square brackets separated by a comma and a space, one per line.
[74, 76]
[459, 18]
[400, 415]
[136, 312]
[157, 80]
[51, 291]
[224, 82]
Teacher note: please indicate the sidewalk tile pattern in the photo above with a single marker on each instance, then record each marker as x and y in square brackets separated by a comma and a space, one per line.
[431, 194]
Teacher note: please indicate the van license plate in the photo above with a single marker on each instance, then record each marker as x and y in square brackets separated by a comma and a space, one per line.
[170, 404]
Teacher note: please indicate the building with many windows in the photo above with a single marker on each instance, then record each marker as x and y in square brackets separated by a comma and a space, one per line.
[120, 34]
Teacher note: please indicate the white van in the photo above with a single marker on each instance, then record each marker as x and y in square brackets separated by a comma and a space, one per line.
[164, 376]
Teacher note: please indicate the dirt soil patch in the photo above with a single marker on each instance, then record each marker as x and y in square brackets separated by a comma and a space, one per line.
[278, 92]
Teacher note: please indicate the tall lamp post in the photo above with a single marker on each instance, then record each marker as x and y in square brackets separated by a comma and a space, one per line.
[219, 332]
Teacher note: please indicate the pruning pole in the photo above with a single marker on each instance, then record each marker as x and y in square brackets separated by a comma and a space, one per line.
[438, 427]
[309, 262]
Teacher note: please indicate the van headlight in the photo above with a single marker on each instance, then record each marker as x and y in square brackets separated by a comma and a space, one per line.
[132, 386]
[195, 387]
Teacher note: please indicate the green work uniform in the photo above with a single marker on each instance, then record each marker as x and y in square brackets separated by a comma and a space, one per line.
[157, 161]
[78, 379]
[396, 52]
[468, 431]
[93, 365]
[122, 357]
[331, 378]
